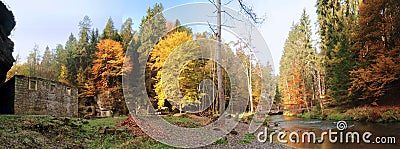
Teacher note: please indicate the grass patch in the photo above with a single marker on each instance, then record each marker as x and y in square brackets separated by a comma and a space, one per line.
[250, 136]
[222, 141]
[374, 114]
[311, 115]
[51, 132]
[243, 141]
[364, 113]
[183, 121]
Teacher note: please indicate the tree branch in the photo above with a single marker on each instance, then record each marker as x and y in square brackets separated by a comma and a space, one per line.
[213, 2]
[212, 29]
[232, 16]
[250, 12]
[228, 2]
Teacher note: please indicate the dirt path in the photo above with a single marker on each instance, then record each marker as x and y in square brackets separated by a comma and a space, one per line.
[236, 140]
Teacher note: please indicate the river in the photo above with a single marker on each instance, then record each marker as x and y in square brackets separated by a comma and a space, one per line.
[292, 125]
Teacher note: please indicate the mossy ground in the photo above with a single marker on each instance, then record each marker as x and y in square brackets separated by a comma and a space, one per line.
[51, 132]
[365, 113]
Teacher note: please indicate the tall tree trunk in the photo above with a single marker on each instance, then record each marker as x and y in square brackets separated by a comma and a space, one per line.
[305, 95]
[250, 88]
[221, 95]
[315, 82]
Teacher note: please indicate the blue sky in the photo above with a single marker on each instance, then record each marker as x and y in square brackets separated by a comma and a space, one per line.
[49, 22]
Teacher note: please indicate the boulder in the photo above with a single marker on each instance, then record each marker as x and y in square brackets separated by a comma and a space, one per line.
[7, 24]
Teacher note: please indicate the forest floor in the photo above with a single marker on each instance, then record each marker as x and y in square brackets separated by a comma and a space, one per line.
[61, 132]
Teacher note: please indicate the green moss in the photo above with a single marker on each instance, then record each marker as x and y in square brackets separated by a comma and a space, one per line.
[183, 121]
[51, 132]
[310, 115]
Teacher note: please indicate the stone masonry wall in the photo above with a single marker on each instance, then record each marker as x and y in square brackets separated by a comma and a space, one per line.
[47, 98]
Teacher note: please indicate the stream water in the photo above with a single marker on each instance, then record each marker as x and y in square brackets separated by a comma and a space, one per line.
[292, 125]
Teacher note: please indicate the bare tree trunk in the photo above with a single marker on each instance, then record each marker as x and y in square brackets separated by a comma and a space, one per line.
[250, 88]
[221, 95]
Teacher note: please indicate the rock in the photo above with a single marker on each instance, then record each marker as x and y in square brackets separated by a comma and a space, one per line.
[7, 24]
[217, 129]
[234, 132]
[110, 131]
[276, 124]
[85, 122]
[102, 130]
[26, 123]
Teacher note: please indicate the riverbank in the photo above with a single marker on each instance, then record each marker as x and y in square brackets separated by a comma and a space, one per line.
[377, 114]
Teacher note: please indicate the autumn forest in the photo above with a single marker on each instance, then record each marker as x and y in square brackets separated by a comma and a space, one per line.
[355, 62]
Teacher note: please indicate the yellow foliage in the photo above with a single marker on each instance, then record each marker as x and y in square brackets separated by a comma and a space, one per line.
[160, 54]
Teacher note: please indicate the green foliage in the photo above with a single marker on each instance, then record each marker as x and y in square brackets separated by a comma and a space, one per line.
[50, 132]
[222, 141]
[184, 121]
[110, 32]
[295, 77]
[250, 136]
[151, 30]
[127, 33]
[337, 20]
[243, 141]
[363, 113]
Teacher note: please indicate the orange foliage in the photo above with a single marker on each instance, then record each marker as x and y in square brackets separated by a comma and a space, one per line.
[378, 47]
[107, 70]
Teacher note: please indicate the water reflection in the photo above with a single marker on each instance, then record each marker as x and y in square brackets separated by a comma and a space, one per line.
[292, 124]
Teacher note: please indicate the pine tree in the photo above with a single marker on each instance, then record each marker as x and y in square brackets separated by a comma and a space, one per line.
[33, 61]
[152, 28]
[336, 20]
[127, 33]
[296, 81]
[70, 47]
[110, 32]
[46, 64]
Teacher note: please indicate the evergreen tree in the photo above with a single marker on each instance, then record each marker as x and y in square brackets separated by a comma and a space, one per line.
[127, 33]
[34, 61]
[46, 64]
[296, 81]
[70, 47]
[110, 32]
[152, 28]
[336, 20]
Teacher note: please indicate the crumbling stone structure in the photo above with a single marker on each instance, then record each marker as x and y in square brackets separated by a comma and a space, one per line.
[36, 96]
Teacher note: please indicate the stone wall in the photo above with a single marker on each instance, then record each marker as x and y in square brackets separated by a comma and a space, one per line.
[44, 97]
[7, 24]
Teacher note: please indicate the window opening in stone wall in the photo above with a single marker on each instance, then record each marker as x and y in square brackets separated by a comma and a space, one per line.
[32, 85]
[52, 88]
[69, 91]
